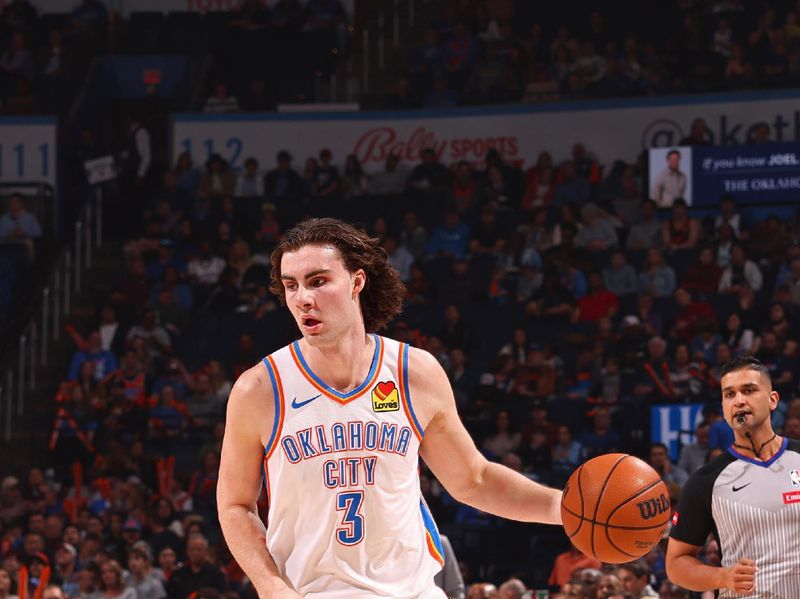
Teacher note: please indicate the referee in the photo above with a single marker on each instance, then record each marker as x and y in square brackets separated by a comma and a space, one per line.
[748, 498]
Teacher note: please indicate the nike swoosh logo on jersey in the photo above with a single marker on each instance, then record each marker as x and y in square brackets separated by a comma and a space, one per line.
[299, 404]
[735, 488]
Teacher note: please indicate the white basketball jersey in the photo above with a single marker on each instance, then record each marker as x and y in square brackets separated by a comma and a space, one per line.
[346, 516]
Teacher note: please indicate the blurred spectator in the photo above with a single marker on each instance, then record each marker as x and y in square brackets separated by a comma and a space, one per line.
[283, 185]
[450, 239]
[692, 315]
[220, 100]
[324, 15]
[17, 224]
[661, 463]
[354, 182]
[112, 583]
[250, 182]
[699, 134]
[680, 231]
[18, 15]
[287, 14]
[635, 579]
[695, 455]
[187, 177]
[399, 257]
[198, 572]
[458, 55]
[597, 233]
[740, 272]
[657, 278]
[218, 180]
[567, 563]
[156, 338]
[597, 303]
[504, 439]
[392, 180]
[103, 361]
[430, 176]
[135, 155]
[141, 576]
[206, 268]
[16, 62]
[326, 177]
[647, 233]
[703, 276]
[601, 438]
[730, 216]
[252, 16]
[572, 187]
[620, 277]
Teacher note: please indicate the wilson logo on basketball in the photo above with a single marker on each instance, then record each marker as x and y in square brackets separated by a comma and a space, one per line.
[653, 507]
[385, 397]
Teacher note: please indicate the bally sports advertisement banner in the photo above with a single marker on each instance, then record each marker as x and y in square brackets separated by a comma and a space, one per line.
[611, 130]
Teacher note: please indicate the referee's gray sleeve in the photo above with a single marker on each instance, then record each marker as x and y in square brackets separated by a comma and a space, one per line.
[449, 577]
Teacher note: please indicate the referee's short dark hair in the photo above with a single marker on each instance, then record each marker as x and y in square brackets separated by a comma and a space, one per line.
[744, 363]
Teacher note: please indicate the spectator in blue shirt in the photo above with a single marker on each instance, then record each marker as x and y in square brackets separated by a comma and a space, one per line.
[658, 279]
[18, 224]
[103, 360]
[450, 239]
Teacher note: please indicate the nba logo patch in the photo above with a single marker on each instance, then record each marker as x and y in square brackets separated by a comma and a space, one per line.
[794, 475]
[385, 397]
[675, 519]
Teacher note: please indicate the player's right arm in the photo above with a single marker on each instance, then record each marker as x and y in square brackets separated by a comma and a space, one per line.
[692, 522]
[685, 569]
[249, 417]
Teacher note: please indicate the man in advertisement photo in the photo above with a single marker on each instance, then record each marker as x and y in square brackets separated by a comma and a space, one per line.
[670, 182]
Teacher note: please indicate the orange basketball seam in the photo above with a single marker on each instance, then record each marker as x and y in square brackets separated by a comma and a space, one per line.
[580, 496]
[602, 492]
[617, 526]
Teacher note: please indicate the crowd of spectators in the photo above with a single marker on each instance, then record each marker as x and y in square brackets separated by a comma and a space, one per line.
[478, 52]
[44, 57]
[561, 302]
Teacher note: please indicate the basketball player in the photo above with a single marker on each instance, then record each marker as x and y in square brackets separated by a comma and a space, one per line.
[748, 498]
[334, 423]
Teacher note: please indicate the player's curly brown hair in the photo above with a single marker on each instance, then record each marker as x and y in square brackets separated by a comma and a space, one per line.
[382, 297]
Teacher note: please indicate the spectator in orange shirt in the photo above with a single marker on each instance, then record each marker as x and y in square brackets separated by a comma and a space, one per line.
[568, 562]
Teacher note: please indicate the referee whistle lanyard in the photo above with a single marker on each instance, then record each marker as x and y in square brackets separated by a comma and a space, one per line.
[23, 579]
[665, 386]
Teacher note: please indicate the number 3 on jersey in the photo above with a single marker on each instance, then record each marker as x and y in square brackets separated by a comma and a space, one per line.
[352, 530]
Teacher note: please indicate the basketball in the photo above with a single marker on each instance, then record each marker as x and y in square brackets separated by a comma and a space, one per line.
[615, 508]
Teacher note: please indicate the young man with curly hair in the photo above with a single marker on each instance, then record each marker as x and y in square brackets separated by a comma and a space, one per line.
[335, 423]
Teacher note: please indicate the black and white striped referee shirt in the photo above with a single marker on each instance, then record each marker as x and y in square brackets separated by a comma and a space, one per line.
[753, 510]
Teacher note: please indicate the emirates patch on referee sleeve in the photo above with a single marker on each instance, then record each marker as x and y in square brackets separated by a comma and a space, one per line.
[791, 497]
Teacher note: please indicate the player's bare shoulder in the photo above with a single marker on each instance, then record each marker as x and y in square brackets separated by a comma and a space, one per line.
[251, 405]
[429, 386]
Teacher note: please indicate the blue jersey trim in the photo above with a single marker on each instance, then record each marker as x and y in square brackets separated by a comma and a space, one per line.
[332, 391]
[278, 406]
[766, 464]
[430, 527]
[404, 382]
